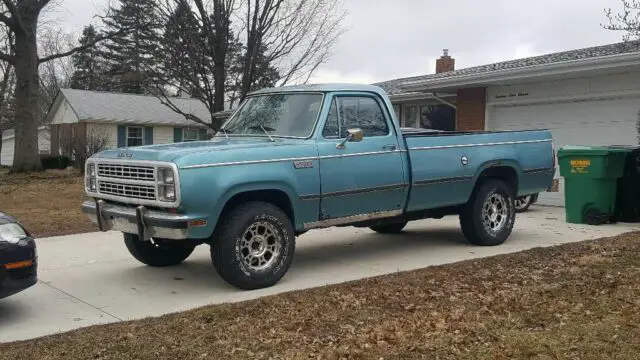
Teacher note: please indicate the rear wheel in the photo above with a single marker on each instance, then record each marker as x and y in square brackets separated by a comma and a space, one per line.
[389, 228]
[488, 218]
[522, 203]
[254, 246]
[158, 252]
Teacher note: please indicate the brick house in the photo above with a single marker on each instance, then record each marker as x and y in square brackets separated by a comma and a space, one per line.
[587, 96]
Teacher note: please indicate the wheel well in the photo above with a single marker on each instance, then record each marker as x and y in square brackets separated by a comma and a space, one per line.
[504, 173]
[276, 197]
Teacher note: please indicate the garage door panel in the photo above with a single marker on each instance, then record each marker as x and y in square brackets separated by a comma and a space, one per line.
[596, 122]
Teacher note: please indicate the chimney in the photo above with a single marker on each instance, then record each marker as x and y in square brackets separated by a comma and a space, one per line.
[446, 63]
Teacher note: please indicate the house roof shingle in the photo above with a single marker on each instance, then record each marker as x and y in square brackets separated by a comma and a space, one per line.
[131, 108]
[393, 87]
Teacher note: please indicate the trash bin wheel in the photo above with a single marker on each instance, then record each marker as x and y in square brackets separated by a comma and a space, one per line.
[595, 217]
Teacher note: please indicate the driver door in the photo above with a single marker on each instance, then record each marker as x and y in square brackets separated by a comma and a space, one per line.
[363, 177]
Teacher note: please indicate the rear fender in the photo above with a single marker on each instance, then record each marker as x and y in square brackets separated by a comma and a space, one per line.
[495, 165]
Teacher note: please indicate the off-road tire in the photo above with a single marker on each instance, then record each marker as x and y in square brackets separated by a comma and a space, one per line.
[227, 251]
[527, 205]
[471, 216]
[394, 228]
[160, 253]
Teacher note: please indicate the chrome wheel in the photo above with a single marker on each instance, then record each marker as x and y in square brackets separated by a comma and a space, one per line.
[522, 203]
[495, 213]
[260, 246]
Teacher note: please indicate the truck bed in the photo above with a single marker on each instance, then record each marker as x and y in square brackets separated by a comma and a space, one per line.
[445, 165]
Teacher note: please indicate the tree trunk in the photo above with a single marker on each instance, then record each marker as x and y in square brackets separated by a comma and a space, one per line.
[26, 97]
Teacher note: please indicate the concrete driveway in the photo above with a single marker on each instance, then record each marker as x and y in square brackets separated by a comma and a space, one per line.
[91, 279]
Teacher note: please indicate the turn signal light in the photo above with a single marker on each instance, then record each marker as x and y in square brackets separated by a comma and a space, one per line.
[197, 223]
[18, 265]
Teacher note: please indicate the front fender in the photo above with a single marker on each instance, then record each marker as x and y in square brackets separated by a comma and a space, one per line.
[210, 189]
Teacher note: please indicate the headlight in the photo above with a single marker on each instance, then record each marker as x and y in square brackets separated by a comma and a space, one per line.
[169, 193]
[12, 233]
[165, 175]
[90, 177]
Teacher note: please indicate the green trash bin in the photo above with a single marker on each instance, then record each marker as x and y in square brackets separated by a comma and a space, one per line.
[590, 182]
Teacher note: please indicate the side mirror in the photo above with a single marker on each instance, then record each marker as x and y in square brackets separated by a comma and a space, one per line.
[353, 135]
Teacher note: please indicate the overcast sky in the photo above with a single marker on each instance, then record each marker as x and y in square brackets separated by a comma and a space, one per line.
[387, 39]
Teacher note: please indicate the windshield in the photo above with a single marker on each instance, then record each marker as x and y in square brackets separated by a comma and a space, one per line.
[286, 115]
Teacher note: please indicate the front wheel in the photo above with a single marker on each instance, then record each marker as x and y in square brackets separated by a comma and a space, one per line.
[488, 218]
[158, 252]
[254, 246]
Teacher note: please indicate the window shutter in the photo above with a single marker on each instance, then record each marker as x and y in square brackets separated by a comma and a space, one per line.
[203, 134]
[148, 135]
[177, 135]
[122, 136]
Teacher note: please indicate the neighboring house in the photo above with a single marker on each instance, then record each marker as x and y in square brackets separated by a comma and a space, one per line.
[585, 97]
[123, 120]
[9, 144]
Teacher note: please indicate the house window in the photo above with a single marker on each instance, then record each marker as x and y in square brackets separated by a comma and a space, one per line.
[134, 136]
[396, 109]
[438, 117]
[190, 135]
[410, 117]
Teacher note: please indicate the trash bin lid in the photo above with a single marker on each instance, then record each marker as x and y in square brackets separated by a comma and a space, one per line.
[571, 150]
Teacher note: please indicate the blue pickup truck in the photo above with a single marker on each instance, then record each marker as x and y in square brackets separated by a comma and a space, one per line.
[292, 159]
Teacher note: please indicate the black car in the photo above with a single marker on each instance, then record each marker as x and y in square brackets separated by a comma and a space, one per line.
[18, 257]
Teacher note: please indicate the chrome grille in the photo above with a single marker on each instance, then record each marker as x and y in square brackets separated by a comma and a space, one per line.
[128, 172]
[146, 192]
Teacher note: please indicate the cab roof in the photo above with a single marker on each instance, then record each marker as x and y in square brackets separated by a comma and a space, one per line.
[322, 88]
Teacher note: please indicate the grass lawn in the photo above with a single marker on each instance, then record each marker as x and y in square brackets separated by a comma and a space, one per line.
[576, 301]
[47, 203]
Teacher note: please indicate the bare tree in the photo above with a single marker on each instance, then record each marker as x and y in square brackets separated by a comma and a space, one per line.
[196, 46]
[627, 21]
[83, 148]
[295, 36]
[57, 73]
[7, 83]
[21, 18]
[276, 42]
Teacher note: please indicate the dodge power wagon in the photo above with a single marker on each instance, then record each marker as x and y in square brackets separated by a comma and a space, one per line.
[297, 158]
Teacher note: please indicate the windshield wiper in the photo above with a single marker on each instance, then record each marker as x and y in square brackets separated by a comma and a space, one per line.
[265, 131]
[225, 133]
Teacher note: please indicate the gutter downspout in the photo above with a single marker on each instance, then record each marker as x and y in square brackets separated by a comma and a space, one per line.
[435, 96]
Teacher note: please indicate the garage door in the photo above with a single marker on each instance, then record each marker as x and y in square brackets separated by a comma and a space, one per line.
[594, 122]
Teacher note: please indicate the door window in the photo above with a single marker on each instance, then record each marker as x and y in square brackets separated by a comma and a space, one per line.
[349, 112]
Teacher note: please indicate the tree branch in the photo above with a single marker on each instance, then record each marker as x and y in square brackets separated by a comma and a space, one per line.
[11, 59]
[18, 24]
[79, 48]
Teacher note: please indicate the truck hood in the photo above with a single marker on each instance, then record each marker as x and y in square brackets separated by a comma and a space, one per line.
[218, 149]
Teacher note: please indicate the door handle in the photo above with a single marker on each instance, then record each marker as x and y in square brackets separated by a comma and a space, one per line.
[390, 147]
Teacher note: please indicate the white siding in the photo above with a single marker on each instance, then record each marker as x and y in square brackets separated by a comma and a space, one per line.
[603, 86]
[8, 147]
[6, 158]
[162, 134]
[108, 130]
[64, 114]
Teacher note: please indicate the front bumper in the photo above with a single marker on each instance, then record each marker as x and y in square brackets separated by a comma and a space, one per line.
[13, 281]
[139, 220]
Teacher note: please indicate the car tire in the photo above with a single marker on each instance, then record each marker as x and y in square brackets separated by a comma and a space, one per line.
[394, 228]
[488, 218]
[254, 246]
[523, 203]
[158, 252]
